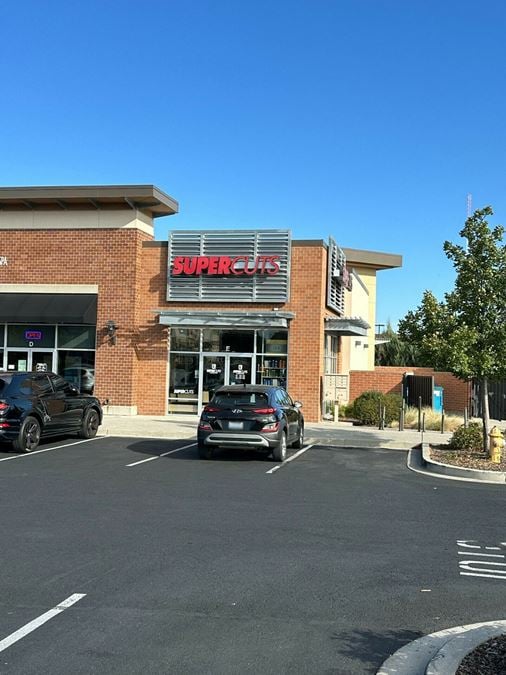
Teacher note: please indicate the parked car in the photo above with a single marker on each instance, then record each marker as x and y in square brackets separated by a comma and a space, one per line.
[82, 376]
[261, 417]
[35, 405]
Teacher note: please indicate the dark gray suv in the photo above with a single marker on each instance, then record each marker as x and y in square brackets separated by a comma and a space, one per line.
[263, 418]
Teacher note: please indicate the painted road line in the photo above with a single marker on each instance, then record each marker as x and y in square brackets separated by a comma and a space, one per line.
[36, 623]
[290, 459]
[150, 459]
[38, 452]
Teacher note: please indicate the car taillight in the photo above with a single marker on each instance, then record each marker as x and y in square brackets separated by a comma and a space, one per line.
[205, 426]
[264, 411]
[271, 427]
[4, 425]
[3, 407]
[210, 408]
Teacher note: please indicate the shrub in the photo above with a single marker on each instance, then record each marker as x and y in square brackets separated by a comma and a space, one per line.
[467, 439]
[366, 408]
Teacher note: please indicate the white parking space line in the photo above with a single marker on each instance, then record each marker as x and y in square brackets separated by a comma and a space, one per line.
[290, 459]
[150, 459]
[36, 623]
[37, 452]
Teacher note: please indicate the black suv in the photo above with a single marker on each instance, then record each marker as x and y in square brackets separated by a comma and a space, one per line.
[251, 416]
[35, 404]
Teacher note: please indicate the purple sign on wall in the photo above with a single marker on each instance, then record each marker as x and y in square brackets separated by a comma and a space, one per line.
[33, 335]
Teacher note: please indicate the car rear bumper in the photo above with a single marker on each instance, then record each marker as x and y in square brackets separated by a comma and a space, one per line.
[9, 433]
[235, 440]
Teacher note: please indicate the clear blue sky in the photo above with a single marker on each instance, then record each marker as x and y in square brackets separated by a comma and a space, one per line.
[366, 120]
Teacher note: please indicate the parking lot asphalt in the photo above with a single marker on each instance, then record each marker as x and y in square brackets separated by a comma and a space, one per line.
[179, 565]
[340, 433]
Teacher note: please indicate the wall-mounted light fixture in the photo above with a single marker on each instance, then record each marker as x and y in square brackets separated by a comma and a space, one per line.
[111, 328]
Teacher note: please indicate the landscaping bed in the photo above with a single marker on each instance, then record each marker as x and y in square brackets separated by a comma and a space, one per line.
[468, 459]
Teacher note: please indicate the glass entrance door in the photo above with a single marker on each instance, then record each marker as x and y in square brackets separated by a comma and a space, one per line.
[30, 359]
[41, 360]
[213, 376]
[220, 369]
[239, 370]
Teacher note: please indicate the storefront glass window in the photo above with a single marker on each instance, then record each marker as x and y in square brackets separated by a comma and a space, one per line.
[331, 353]
[76, 337]
[272, 346]
[184, 383]
[78, 368]
[29, 335]
[217, 340]
[185, 339]
[2, 338]
[272, 341]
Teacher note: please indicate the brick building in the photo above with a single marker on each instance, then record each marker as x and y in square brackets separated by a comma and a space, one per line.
[153, 327]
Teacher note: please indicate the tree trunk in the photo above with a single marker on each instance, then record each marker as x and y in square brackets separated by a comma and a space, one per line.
[485, 414]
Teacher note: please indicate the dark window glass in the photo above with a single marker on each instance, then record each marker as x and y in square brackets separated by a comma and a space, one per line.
[29, 335]
[241, 398]
[76, 337]
[185, 339]
[22, 386]
[41, 385]
[2, 331]
[272, 341]
[280, 399]
[286, 398]
[78, 368]
[184, 374]
[217, 340]
[60, 385]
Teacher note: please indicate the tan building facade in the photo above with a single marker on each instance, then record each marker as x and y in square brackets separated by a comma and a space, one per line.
[153, 327]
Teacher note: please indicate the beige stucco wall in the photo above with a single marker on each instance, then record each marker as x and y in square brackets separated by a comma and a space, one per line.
[359, 346]
[368, 278]
[76, 220]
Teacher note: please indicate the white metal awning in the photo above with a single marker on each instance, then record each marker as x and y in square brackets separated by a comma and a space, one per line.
[273, 319]
[347, 325]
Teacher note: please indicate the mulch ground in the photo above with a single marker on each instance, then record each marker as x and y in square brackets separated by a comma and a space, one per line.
[469, 459]
[487, 659]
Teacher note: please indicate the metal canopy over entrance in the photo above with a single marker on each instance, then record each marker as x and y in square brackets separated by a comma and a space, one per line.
[347, 326]
[272, 319]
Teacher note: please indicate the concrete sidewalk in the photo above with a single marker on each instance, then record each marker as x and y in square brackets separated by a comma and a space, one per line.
[341, 434]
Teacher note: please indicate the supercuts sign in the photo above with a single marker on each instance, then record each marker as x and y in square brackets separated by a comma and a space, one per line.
[225, 265]
[229, 266]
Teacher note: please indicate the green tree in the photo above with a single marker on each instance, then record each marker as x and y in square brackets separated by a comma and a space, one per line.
[465, 333]
[395, 352]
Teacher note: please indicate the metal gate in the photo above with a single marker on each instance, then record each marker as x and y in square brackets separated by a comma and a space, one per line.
[496, 400]
[415, 387]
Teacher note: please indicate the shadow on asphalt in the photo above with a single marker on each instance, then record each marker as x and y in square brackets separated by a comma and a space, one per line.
[373, 648]
[157, 448]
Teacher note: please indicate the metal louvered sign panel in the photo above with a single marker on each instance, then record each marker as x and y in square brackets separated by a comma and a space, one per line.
[229, 266]
[338, 278]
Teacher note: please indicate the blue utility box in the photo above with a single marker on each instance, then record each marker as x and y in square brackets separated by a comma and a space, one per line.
[437, 399]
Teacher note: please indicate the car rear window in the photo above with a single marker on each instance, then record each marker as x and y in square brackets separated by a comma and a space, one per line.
[240, 398]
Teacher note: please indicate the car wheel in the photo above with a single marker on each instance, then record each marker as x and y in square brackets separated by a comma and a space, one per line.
[29, 436]
[299, 443]
[205, 451]
[90, 424]
[279, 452]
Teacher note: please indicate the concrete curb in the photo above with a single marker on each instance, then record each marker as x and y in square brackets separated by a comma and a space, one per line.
[442, 652]
[477, 475]
[451, 655]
